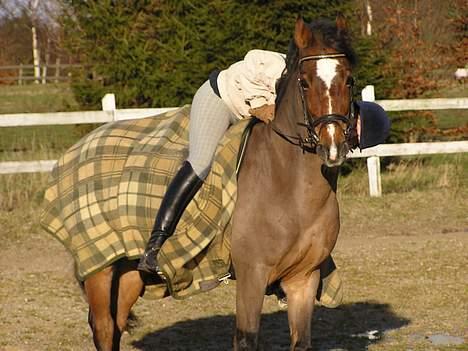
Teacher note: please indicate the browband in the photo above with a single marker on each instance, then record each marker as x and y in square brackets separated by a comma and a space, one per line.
[318, 57]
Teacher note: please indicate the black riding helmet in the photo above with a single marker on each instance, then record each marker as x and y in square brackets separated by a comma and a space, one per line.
[375, 124]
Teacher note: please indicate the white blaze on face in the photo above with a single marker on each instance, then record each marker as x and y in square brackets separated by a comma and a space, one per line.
[333, 149]
[326, 71]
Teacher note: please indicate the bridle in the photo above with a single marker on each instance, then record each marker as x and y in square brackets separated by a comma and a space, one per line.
[309, 144]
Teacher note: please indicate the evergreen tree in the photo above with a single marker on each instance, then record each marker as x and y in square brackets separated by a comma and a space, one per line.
[157, 53]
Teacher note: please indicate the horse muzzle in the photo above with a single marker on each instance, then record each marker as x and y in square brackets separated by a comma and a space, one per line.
[333, 155]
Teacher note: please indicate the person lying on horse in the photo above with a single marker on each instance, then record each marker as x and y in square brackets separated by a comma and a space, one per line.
[246, 89]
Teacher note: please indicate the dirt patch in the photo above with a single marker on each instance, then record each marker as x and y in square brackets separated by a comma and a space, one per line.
[403, 260]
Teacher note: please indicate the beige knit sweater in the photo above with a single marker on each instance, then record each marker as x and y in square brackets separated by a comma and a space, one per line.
[250, 83]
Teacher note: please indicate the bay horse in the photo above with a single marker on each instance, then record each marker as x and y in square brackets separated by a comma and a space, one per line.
[286, 219]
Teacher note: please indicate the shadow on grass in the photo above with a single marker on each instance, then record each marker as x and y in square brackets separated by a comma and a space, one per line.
[332, 329]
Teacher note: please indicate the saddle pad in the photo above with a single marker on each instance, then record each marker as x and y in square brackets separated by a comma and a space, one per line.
[104, 193]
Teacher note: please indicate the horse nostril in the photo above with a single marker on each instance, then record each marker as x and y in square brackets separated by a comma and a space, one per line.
[322, 151]
[344, 149]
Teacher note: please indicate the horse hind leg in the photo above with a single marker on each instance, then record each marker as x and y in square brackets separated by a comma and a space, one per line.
[301, 298]
[130, 286]
[98, 292]
[111, 294]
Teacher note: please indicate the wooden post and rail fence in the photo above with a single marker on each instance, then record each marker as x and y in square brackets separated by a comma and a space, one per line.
[109, 113]
[22, 74]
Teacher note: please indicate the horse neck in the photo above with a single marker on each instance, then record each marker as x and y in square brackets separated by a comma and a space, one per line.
[289, 114]
[289, 111]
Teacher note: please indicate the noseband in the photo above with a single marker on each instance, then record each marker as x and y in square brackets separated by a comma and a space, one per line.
[309, 144]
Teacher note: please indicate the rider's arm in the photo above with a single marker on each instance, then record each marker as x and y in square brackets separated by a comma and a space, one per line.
[258, 79]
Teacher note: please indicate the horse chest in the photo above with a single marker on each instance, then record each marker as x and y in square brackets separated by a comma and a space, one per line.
[308, 242]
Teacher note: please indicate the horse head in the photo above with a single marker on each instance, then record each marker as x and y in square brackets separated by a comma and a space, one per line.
[319, 64]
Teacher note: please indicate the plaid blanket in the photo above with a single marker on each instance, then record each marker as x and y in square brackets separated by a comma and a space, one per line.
[104, 193]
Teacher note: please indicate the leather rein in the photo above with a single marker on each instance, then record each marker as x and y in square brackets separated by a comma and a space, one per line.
[310, 143]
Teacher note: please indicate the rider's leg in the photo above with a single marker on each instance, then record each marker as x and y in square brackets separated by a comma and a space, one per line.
[209, 120]
[182, 188]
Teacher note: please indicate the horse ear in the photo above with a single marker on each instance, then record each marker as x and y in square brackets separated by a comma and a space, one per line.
[302, 34]
[341, 23]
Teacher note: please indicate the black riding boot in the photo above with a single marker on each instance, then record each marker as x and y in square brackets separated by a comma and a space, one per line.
[180, 191]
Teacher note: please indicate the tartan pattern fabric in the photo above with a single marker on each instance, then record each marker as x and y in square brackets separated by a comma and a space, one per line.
[332, 293]
[104, 193]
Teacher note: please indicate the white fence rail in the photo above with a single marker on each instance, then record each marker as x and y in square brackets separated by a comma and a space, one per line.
[423, 104]
[110, 113]
[24, 73]
[83, 117]
[12, 167]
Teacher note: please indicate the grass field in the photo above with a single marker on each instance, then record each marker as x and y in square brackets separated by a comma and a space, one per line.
[403, 258]
[37, 98]
[26, 143]
[451, 118]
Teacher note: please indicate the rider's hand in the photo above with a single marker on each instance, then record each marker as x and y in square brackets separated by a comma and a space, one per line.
[266, 113]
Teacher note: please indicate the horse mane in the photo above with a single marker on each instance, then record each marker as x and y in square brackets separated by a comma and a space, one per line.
[326, 33]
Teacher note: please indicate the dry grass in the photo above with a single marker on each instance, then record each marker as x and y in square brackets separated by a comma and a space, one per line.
[401, 175]
[398, 176]
[17, 190]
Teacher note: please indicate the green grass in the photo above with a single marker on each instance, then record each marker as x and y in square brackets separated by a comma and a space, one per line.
[451, 118]
[26, 143]
[37, 98]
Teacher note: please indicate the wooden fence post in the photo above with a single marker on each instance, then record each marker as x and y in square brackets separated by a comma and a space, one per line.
[368, 93]
[373, 163]
[20, 74]
[57, 69]
[36, 57]
[373, 172]
[108, 104]
[44, 74]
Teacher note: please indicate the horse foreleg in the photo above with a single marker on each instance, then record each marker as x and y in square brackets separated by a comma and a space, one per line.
[98, 291]
[251, 285]
[301, 298]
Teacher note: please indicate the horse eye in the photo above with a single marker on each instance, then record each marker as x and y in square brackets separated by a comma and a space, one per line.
[350, 81]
